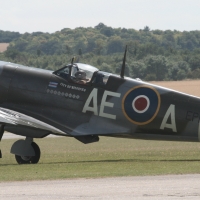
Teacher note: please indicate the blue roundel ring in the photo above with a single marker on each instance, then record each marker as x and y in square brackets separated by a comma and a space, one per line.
[141, 104]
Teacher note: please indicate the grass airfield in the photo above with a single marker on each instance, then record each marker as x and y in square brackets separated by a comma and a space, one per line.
[63, 158]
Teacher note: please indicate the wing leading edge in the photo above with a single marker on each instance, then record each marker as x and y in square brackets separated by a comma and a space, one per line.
[8, 116]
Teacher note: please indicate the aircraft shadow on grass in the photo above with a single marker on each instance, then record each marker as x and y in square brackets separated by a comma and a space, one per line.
[114, 161]
[124, 161]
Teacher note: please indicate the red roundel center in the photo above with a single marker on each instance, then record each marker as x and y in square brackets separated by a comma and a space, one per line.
[141, 103]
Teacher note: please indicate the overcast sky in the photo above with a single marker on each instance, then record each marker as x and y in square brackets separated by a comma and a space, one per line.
[54, 15]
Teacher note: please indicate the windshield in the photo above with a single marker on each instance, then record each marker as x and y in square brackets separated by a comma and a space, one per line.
[88, 69]
[74, 70]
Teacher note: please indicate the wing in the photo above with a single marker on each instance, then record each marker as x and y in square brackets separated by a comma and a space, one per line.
[15, 118]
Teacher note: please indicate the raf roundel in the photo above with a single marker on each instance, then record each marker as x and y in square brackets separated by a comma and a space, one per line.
[141, 104]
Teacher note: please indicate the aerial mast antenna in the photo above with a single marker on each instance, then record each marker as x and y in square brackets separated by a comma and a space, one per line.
[72, 61]
[123, 64]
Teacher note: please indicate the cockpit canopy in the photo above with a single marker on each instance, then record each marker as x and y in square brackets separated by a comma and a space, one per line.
[82, 74]
[77, 71]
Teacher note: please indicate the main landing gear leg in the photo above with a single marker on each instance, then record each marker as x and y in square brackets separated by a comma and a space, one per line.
[1, 135]
[26, 151]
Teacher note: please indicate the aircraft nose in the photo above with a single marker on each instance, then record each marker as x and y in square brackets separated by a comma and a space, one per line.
[5, 79]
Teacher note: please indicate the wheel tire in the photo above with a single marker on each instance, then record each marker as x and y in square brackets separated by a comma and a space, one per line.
[29, 159]
[35, 159]
[23, 159]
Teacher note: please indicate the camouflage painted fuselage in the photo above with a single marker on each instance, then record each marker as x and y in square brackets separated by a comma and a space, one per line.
[38, 103]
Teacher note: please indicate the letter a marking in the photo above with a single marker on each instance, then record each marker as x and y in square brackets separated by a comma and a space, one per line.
[170, 113]
[92, 97]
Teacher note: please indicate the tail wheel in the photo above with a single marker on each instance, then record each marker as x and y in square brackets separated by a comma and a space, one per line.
[29, 159]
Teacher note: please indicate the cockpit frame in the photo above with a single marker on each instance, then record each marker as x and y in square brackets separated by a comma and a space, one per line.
[83, 74]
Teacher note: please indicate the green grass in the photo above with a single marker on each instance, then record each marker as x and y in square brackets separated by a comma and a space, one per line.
[63, 158]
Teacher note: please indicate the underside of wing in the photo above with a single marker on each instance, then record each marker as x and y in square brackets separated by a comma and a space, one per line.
[14, 118]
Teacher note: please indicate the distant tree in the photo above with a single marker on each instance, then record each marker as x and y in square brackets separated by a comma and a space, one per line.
[11, 53]
[138, 69]
[194, 62]
[119, 67]
[150, 77]
[51, 47]
[21, 45]
[133, 47]
[99, 46]
[100, 26]
[146, 29]
[195, 74]
[99, 61]
[105, 67]
[157, 65]
[152, 54]
[37, 33]
[157, 32]
[169, 36]
[68, 49]
[91, 45]
[115, 45]
[7, 36]
[80, 52]
[80, 45]
[178, 70]
[38, 52]
[107, 31]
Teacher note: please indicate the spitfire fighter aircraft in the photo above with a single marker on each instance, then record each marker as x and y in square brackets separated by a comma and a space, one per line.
[83, 102]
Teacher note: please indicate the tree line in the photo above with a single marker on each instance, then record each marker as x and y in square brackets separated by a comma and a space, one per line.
[152, 54]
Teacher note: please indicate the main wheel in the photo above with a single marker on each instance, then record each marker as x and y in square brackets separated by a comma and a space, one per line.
[35, 159]
[29, 159]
